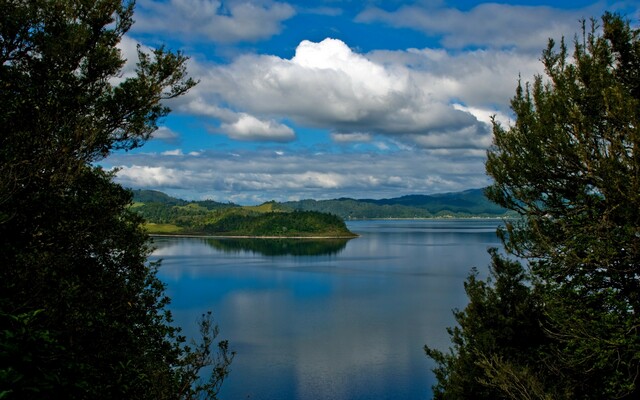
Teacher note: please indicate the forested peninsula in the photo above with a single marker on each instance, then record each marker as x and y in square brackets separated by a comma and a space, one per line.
[166, 215]
[304, 218]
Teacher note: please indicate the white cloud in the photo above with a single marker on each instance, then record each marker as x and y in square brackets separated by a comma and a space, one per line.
[487, 24]
[403, 94]
[166, 135]
[351, 137]
[263, 175]
[219, 21]
[129, 51]
[485, 115]
[150, 176]
[248, 127]
[478, 78]
[402, 121]
[176, 152]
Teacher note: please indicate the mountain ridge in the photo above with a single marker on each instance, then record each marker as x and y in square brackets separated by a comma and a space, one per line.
[466, 203]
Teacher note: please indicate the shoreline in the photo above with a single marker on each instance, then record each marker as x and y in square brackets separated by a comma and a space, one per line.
[202, 236]
[501, 217]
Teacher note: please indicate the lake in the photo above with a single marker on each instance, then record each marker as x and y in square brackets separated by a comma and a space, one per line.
[333, 319]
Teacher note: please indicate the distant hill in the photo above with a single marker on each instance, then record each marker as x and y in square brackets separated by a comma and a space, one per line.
[471, 201]
[167, 215]
[154, 196]
[468, 203]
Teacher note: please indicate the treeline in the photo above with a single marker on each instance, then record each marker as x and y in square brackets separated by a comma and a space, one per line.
[565, 322]
[297, 223]
[212, 218]
[468, 203]
[355, 209]
[156, 197]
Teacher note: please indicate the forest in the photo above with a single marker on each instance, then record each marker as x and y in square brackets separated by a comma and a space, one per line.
[166, 215]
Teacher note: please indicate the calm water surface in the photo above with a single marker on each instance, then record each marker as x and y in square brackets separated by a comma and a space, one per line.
[334, 319]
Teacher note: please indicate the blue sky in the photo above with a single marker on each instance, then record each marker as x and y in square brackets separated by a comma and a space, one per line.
[327, 99]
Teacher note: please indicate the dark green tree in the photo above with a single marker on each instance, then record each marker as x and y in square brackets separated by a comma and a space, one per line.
[494, 335]
[82, 313]
[570, 166]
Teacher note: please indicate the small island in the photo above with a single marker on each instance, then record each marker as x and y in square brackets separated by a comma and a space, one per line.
[165, 215]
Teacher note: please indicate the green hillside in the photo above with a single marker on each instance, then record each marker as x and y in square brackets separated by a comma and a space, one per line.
[358, 209]
[168, 215]
[160, 208]
[472, 202]
[154, 196]
[469, 203]
[281, 224]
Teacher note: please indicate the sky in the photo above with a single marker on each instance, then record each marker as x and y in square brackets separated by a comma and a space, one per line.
[324, 99]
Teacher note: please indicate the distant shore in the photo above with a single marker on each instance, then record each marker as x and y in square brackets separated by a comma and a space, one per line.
[203, 236]
[427, 218]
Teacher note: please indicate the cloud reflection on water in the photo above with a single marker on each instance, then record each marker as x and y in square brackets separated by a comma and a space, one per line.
[349, 323]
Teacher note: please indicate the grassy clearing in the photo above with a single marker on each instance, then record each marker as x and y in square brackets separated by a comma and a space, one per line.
[162, 228]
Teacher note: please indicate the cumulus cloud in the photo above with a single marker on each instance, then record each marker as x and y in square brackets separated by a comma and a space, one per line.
[477, 78]
[431, 98]
[219, 21]
[248, 127]
[413, 120]
[403, 94]
[487, 24]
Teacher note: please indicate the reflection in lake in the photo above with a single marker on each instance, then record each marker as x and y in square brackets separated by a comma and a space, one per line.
[345, 324]
[279, 247]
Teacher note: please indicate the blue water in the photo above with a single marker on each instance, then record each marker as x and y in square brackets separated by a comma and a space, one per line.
[334, 320]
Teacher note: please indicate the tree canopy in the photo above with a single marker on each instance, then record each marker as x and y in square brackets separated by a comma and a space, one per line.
[570, 167]
[82, 312]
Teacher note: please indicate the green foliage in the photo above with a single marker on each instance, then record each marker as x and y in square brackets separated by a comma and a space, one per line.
[468, 202]
[570, 166]
[158, 207]
[212, 218]
[299, 224]
[356, 209]
[499, 326]
[82, 312]
[154, 196]
[162, 228]
[461, 204]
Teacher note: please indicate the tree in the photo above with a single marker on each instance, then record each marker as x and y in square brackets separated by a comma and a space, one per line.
[570, 167]
[82, 313]
[496, 330]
